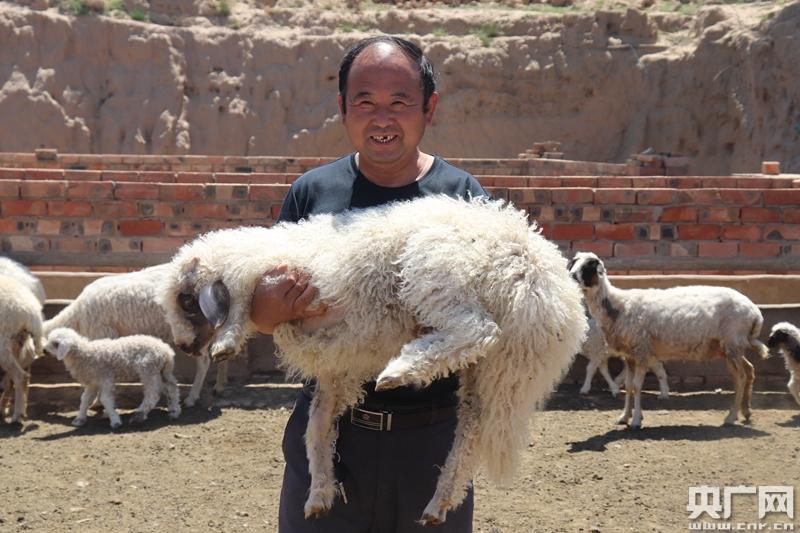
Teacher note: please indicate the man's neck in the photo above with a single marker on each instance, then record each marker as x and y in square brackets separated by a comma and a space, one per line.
[397, 176]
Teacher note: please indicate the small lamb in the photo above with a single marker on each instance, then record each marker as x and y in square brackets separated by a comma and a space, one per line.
[691, 323]
[99, 364]
[785, 339]
[418, 290]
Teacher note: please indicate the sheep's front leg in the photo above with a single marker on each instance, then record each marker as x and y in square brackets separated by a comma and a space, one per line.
[202, 363]
[612, 385]
[19, 379]
[321, 435]
[469, 335]
[87, 397]
[460, 465]
[627, 411]
[222, 378]
[794, 387]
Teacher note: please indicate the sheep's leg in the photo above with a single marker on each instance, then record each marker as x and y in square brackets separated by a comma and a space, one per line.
[620, 379]
[87, 396]
[627, 411]
[201, 369]
[170, 386]
[747, 392]
[471, 335]
[460, 465]
[794, 387]
[222, 378]
[657, 367]
[20, 399]
[591, 368]
[151, 389]
[638, 380]
[739, 379]
[321, 435]
[5, 398]
[107, 399]
[612, 384]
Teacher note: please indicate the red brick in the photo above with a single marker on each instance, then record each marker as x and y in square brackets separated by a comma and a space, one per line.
[655, 197]
[107, 245]
[592, 213]
[573, 196]
[182, 192]
[97, 227]
[69, 209]
[8, 225]
[9, 188]
[24, 243]
[649, 183]
[741, 233]
[717, 249]
[23, 207]
[268, 192]
[194, 177]
[791, 215]
[90, 189]
[740, 196]
[782, 197]
[162, 244]
[634, 249]
[615, 232]
[719, 214]
[570, 232]
[126, 191]
[683, 182]
[184, 229]
[678, 214]
[72, 245]
[114, 210]
[131, 228]
[48, 227]
[614, 196]
[232, 177]
[11, 173]
[50, 174]
[719, 183]
[157, 177]
[499, 181]
[83, 175]
[697, 197]
[633, 214]
[226, 192]
[42, 189]
[120, 175]
[579, 181]
[544, 181]
[760, 214]
[759, 249]
[785, 232]
[614, 182]
[602, 249]
[206, 210]
[529, 196]
[698, 232]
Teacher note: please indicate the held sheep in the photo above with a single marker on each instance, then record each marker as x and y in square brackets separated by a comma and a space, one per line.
[417, 290]
[20, 343]
[126, 304]
[692, 323]
[99, 364]
[785, 339]
[596, 351]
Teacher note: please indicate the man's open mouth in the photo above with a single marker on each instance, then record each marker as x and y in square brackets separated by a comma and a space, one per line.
[383, 139]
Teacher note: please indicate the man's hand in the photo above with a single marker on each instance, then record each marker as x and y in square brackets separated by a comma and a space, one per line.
[282, 296]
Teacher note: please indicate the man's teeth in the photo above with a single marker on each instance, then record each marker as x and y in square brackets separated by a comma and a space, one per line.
[383, 138]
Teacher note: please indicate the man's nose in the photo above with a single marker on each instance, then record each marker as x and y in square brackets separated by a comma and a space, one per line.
[384, 116]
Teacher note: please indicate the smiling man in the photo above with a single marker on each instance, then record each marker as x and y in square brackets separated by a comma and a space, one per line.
[388, 472]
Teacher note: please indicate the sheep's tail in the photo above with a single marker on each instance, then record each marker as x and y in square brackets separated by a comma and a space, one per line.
[69, 317]
[760, 349]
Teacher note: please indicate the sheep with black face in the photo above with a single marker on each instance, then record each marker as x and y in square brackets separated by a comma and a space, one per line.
[784, 339]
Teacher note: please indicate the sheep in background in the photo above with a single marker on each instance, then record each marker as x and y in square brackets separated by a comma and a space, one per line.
[596, 351]
[99, 364]
[12, 269]
[417, 290]
[785, 339]
[126, 304]
[20, 342]
[691, 323]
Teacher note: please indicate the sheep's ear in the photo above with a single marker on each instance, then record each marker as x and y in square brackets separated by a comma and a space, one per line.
[215, 302]
[63, 350]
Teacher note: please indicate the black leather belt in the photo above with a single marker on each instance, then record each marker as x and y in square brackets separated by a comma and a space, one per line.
[392, 420]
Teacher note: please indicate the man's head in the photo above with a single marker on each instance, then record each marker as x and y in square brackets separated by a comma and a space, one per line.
[387, 98]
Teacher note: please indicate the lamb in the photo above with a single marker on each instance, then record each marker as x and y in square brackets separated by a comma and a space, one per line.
[690, 323]
[98, 364]
[126, 304]
[596, 351]
[417, 290]
[20, 342]
[785, 339]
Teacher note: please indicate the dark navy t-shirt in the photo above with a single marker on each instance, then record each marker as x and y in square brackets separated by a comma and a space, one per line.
[339, 186]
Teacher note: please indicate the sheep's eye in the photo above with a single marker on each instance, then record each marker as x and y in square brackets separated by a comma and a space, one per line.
[188, 303]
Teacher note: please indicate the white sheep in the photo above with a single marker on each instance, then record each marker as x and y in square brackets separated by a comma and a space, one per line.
[689, 323]
[417, 290]
[99, 364]
[9, 267]
[785, 339]
[126, 304]
[596, 351]
[20, 342]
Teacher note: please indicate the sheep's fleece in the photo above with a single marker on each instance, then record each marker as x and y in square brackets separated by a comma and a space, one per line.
[418, 289]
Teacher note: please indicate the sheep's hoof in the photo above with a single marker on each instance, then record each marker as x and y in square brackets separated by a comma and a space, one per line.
[116, 425]
[174, 414]
[623, 420]
[317, 505]
[222, 353]
[138, 417]
[584, 391]
[434, 513]
[79, 421]
[663, 396]
[730, 420]
[388, 383]
[190, 401]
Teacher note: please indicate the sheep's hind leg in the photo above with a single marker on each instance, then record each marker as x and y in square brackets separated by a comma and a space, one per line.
[471, 335]
[591, 368]
[794, 388]
[321, 435]
[151, 389]
[88, 395]
[170, 387]
[739, 379]
[657, 367]
[612, 384]
[747, 394]
[454, 479]
[107, 399]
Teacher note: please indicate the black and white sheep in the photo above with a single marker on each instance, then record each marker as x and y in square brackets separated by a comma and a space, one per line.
[417, 290]
[784, 339]
[690, 323]
[99, 364]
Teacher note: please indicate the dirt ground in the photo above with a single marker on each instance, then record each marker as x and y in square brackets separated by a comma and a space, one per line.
[219, 467]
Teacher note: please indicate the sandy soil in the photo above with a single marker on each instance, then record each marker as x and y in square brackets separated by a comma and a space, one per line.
[219, 468]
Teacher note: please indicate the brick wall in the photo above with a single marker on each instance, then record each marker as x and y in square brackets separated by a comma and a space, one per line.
[132, 218]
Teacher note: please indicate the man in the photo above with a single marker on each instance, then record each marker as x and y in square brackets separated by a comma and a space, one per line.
[387, 98]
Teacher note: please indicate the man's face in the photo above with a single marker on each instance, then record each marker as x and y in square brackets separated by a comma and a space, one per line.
[384, 115]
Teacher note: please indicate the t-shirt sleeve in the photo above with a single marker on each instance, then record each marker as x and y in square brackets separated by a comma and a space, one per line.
[475, 189]
[290, 210]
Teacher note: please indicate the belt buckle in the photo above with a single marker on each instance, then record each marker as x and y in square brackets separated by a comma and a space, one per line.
[373, 420]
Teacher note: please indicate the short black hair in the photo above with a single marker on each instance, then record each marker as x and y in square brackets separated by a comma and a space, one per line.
[411, 51]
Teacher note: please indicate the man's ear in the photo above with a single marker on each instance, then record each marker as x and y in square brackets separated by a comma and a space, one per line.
[432, 102]
[340, 103]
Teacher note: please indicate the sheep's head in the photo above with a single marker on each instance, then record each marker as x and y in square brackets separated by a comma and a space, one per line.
[60, 341]
[784, 338]
[197, 304]
[587, 269]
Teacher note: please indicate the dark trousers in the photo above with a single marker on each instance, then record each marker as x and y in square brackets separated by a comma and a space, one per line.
[388, 478]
